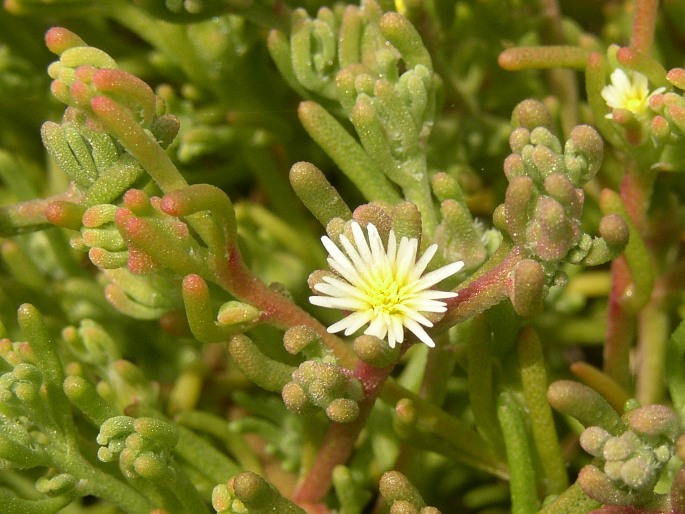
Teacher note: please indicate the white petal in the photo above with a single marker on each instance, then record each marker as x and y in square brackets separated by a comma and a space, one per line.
[371, 274]
[357, 320]
[406, 258]
[419, 332]
[338, 326]
[432, 278]
[640, 83]
[421, 305]
[339, 261]
[349, 324]
[421, 264]
[435, 294]
[346, 304]
[333, 287]
[395, 331]
[359, 264]
[619, 79]
[360, 241]
[378, 327]
[392, 246]
[415, 315]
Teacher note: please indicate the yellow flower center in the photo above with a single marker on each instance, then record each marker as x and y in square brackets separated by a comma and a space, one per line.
[635, 104]
[386, 295]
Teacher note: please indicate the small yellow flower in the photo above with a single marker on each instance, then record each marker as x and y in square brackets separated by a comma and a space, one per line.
[628, 92]
[384, 288]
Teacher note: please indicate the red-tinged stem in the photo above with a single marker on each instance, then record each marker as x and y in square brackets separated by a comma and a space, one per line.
[652, 338]
[480, 294]
[32, 215]
[339, 440]
[620, 326]
[636, 189]
[235, 277]
[644, 22]
[636, 192]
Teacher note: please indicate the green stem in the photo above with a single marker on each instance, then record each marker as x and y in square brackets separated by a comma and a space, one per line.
[480, 380]
[274, 182]
[653, 333]
[215, 426]
[347, 153]
[189, 497]
[675, 368]
[13, 505]
[543, 57]
[571, 501]
[29, 216]
[143, 147]
[437, 431]
[418, 192]
[50, 365]
[522, 475]
[440, 367]
[101, 484]
[534, 379]
[632, 273]
[212, 464]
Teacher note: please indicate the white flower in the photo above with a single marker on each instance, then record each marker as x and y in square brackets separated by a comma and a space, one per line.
[383, 288]
[628, 92]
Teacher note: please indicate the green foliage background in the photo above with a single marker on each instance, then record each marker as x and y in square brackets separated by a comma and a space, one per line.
[167, 171]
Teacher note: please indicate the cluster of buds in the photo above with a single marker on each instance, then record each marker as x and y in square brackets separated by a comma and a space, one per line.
[248, 493]
[668, 123]
[36, 423]
[102, 100]
[627, 466]
[544, 202]
[142, 446]
[122, 384]
[125, 385]
[21, 442]
[324, 386]
[134, 284]
[91, 344]
[401, 496]
[630, 451]
[88, 81]
[29, 381]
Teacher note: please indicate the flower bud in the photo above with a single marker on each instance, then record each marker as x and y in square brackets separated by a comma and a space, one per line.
[530, 114]
[62, 483]
[527, 288]
[342, 410]
[375, 351]
[654, 420]
[592, 440]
